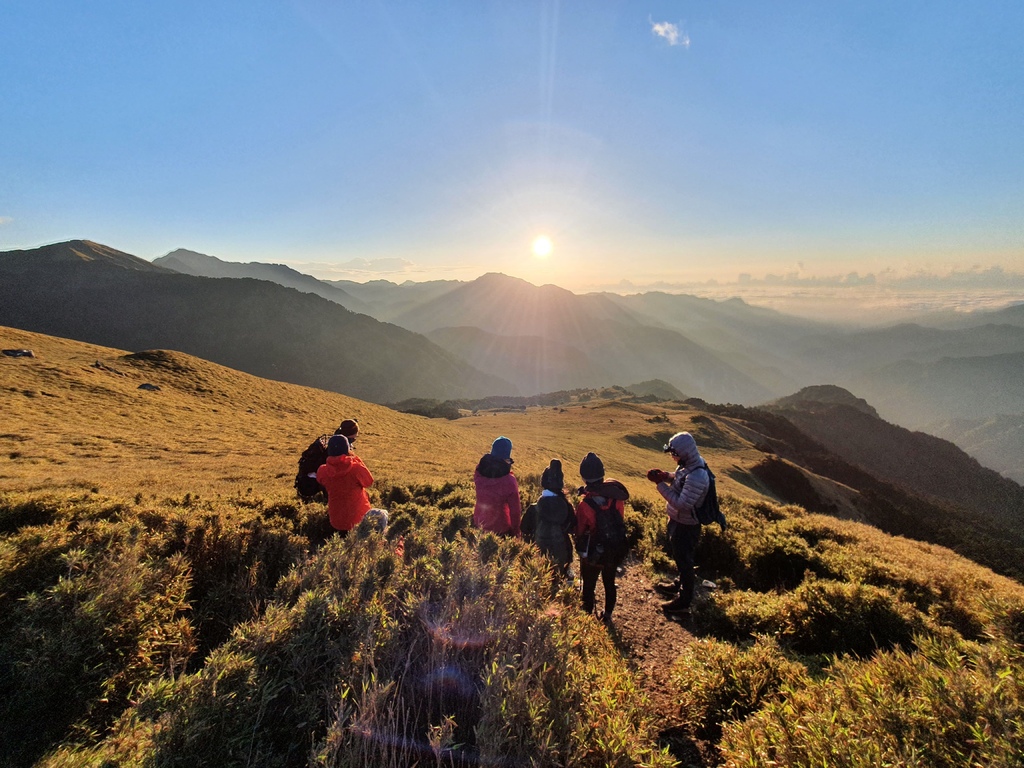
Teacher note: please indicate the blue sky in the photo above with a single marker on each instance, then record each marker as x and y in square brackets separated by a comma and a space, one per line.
[667, 141]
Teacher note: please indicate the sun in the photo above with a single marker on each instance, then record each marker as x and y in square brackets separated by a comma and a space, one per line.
[542, 246]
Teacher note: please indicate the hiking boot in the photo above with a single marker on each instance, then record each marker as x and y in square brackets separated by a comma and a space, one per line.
[667, 588]
[675, 604]
[679, 614]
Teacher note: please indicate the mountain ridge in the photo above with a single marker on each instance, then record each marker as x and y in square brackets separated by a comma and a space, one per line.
[201, 265]
[249, 324]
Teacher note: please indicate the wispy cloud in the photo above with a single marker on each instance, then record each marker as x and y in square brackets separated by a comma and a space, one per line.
[5, 220]
[670, 32]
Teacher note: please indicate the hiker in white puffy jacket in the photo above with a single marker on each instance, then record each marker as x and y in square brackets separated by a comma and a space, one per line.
[682, 492]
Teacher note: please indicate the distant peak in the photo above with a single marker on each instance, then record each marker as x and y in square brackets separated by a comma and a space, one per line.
[826, 394]
[83, 252]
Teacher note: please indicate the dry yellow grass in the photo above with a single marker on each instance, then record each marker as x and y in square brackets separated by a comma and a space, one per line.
[74, 417]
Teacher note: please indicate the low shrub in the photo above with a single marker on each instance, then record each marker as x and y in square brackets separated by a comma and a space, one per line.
[718, 682]
[938, 708]
[75, 653]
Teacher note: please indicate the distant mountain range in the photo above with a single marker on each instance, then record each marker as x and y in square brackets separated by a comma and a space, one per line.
[89, 292]
[198, 264]
[928, 466]
[502, 335]
[906, 483]
[997, 442]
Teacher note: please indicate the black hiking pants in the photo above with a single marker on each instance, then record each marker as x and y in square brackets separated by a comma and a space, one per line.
[682, 543]
[589, 574]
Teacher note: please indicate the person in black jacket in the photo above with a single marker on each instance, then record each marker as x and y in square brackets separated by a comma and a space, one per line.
[549, 521]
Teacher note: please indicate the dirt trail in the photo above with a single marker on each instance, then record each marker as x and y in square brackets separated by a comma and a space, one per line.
[651, 643]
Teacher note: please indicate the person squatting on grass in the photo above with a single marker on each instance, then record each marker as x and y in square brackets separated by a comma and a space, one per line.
[313, 457]
[600, 533]
[683, 492]
[551, 519]
[346, 479]
[497, 508]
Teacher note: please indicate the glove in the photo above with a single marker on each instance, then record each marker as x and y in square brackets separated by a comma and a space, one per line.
[658, 476]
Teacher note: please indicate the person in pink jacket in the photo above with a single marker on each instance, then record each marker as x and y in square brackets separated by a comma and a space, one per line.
[498, 508]
[346, 479]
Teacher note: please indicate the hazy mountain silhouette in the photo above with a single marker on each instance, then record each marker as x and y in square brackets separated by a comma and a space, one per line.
[949, 318]
[996, 441]
[81, 290]
[761, 342]
[532, 363]
[916, 393]
[862, 352]
[619, 346]
[199, 264]
[386, 300]
[926, 465]
[839, 460]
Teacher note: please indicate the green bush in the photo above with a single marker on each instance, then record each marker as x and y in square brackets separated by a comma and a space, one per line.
[76, 653]
[375, 654]
[719, 682]
[937, 708]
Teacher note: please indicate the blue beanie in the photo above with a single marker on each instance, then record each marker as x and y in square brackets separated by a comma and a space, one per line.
[502, 448]
[337, 446]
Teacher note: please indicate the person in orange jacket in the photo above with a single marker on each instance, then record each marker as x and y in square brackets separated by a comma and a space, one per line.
[346, 479]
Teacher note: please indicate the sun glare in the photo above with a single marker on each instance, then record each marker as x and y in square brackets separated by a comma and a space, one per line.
[542, 247]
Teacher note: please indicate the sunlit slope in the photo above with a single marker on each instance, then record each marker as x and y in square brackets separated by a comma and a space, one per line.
[86, 291]
[76, 417]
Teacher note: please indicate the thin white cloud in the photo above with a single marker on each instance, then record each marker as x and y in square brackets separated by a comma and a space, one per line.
[4, 220]
[670, 32]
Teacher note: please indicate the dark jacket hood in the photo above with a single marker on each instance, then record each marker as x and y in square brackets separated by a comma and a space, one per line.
[492, 466]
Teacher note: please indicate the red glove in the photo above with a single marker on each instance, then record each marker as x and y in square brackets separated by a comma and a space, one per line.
[658, 476]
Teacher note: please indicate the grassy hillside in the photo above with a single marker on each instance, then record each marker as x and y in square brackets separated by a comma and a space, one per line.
[251, 325]
[165, 601]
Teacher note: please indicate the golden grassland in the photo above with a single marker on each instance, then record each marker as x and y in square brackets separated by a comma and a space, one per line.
[165, 601]
[76, 418]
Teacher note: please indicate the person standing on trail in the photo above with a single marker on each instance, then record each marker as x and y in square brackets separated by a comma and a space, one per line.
[498, 508]
[600, 533]
[346, 479]
[551, 519]
[683, 492]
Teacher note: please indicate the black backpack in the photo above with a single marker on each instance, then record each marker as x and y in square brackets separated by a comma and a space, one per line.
[309, 462]
[708, 511]
[607, 544]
